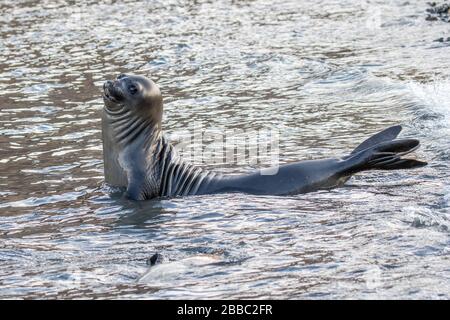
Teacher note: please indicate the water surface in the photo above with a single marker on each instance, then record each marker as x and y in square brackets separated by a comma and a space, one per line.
[327, 74]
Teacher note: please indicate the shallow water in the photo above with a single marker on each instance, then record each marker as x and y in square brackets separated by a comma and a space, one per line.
[327, 74]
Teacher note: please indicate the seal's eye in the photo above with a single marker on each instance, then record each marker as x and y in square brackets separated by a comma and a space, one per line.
[132, 88]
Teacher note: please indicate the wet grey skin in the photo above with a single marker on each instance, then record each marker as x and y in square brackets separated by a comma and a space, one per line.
[138, 158]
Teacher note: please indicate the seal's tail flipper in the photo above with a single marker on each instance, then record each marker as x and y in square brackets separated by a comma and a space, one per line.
[380, 152]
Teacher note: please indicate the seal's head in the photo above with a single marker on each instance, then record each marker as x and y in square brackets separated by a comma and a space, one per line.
[131, 124]
[136, 95]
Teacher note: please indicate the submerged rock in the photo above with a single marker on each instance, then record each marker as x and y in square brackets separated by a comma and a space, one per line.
[438, 12]
[173, 269]
[154, 259]
[442, 39]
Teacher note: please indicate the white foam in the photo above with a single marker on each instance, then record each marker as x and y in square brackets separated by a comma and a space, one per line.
[173, 269]
[434, 95]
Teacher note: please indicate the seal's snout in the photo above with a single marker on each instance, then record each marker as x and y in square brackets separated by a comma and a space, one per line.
[107, 84]
[110, 90]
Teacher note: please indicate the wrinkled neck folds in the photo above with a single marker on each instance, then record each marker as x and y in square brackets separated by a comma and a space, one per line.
[126, 133]
[128, 128]
[140, 141]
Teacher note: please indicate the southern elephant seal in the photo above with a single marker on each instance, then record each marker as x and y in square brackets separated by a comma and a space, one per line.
[139, 158]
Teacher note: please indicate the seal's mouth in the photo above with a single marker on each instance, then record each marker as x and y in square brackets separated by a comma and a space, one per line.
[110, 92]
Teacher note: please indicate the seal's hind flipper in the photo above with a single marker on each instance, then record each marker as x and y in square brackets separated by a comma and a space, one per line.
[388, 134]
[400, 164]
[386, 156]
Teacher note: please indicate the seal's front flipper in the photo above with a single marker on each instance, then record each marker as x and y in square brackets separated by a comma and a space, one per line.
[134, 192]
[385, 156]
[139, 187]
